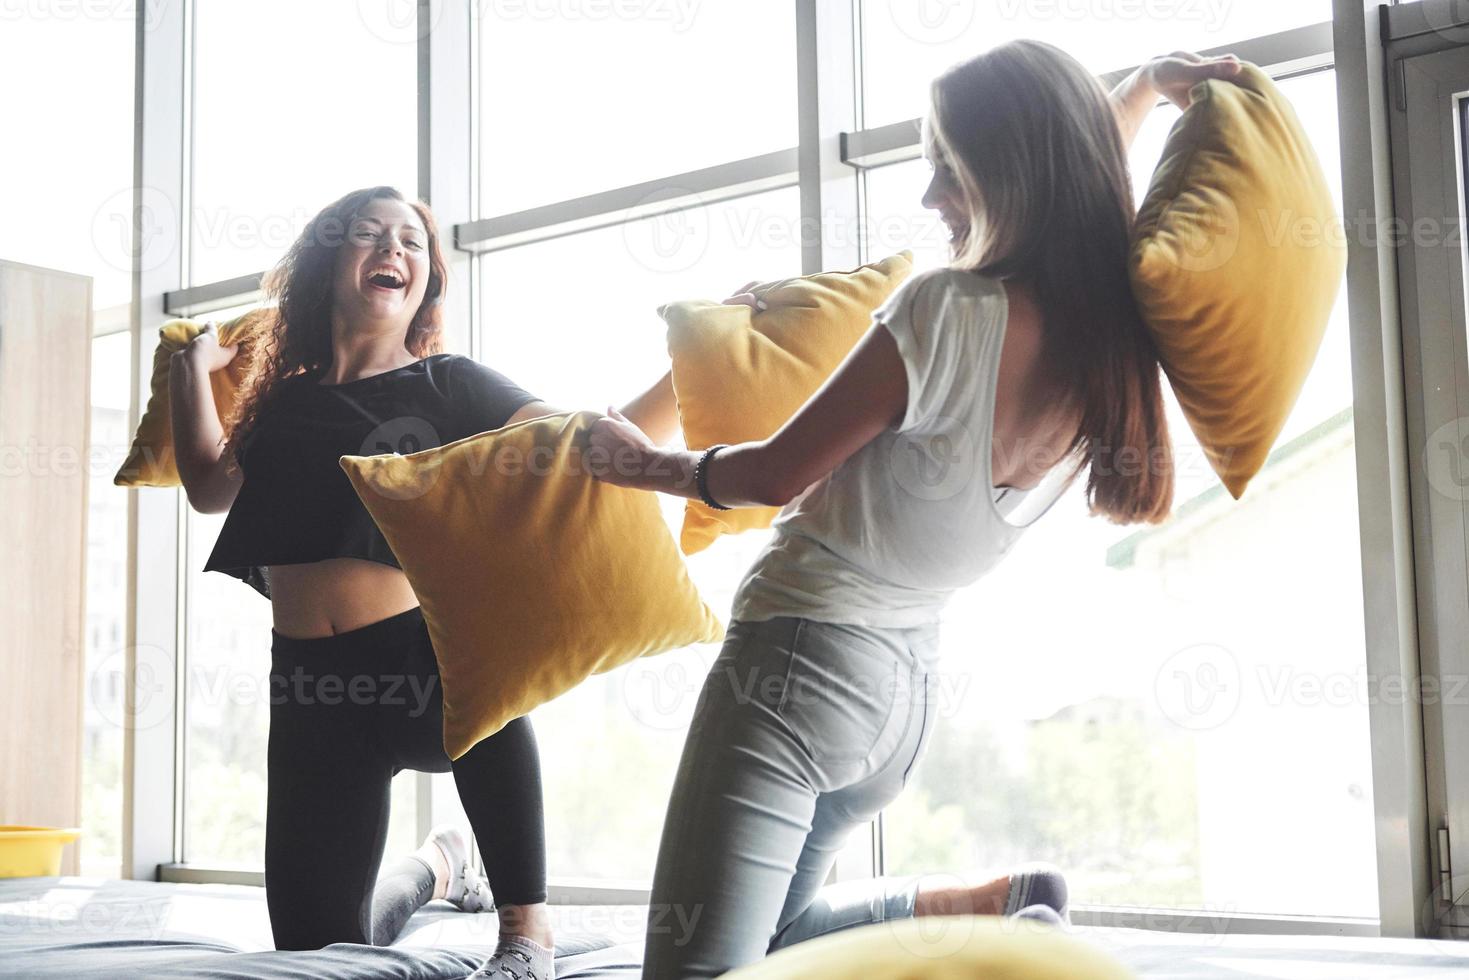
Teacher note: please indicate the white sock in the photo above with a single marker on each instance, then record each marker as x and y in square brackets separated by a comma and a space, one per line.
[518, 957]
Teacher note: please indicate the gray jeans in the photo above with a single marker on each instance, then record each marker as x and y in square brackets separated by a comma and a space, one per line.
[803, 731]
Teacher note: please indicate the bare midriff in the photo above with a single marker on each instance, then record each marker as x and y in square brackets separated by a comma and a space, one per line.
[321, 598]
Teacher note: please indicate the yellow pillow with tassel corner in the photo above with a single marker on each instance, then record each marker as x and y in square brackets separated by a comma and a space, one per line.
[1236, 263]
[532, 574]
[739, 374]
[150, 460]
[957, 947]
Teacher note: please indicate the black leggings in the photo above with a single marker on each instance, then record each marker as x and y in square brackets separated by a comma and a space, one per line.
[347, 713]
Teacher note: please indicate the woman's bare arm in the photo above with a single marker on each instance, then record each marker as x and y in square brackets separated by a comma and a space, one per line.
[198, 436]
[655, 411]
[866, 394]
[1169, 77]
[531, 410]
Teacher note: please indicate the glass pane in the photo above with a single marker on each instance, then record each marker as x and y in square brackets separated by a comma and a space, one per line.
[906, 43]
[626, 728]
[104, 713]
[67, 71]
[1193, 731]
[265, 158]
[67, 198]
[579, 98]
[228, 716]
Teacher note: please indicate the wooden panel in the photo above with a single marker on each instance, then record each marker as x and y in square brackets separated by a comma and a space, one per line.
[45, 396]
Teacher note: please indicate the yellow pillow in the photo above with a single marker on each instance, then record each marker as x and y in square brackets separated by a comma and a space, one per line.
[532, 574]
[739, 373]
[1236, 266]
[150, 461]
[956, 947]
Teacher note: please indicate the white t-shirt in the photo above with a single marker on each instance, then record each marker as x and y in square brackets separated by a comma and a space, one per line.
[885, 538]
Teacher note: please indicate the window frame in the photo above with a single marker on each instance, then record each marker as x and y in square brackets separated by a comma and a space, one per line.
[829, 166]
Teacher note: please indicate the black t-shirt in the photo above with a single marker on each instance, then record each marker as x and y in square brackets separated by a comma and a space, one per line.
[296, 504]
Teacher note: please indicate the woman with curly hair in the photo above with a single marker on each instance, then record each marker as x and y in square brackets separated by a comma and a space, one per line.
[353, 365]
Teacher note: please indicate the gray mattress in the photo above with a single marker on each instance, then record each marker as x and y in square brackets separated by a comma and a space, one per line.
[90, 927]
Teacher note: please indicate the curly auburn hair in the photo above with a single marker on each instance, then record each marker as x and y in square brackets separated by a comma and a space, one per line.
[298, 337]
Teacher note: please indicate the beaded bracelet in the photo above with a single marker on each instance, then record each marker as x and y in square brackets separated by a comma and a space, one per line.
[701, 476]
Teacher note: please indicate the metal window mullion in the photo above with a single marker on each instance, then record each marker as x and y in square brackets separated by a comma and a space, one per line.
[826, 93]
[151, 743]
[696, 188]
[827, 96]
[1283, 54]
[110, 320]
[1380, 397]
[445, 179]
[1217, 924]
[1427, 184]
[595, 892]
[476, 172]
[446, 162]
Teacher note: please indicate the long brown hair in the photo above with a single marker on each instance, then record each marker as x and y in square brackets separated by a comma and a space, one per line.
[300, 337]
[1035, 147]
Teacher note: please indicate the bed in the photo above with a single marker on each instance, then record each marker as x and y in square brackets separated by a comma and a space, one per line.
[89, 927]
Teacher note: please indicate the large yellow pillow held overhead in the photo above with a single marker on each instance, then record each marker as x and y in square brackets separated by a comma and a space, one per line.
[150, 461]
[1236, 263]
[739, 374]
[531, 573]
[957, 947]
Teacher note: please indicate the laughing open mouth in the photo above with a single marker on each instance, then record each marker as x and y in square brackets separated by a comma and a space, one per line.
[385, 278]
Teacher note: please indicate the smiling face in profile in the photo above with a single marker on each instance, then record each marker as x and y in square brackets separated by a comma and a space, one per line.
[945, 195]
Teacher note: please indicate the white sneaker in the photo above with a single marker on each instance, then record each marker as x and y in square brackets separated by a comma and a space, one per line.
[467, 888]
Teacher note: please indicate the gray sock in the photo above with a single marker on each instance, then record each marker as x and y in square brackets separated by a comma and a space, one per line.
[517, 958]
[1040, 913]
[1038, 885]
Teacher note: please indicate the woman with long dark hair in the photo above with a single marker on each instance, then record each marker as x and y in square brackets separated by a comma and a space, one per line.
[1026, 354]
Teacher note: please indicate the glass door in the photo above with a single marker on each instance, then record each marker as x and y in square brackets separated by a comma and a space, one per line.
[1428, 123]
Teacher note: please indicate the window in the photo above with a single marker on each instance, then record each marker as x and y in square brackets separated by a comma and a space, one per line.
[1180, 653]
[1193, 729]
[68, 207]
[295, 105]
[104, 713]
[575, 321]
[905, 44]
[579, 98]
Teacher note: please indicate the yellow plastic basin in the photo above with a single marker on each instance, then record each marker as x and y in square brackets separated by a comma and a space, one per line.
[30, 852]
